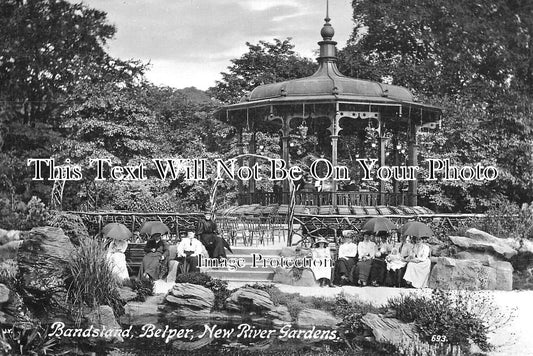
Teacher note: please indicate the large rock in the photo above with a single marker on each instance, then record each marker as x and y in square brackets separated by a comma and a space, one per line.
[9, 236]
[280, 315]
[4, 294]
[141, 313]
[8, 251]
[42, 260]
[504, 275]
[450, 274]
[103, 318]
[249, 299]
[481, 241]
[192, 296]
[314, 317]
[126, 294]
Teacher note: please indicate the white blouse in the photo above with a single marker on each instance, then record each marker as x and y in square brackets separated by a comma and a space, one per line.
[366, 249]
[348, 250]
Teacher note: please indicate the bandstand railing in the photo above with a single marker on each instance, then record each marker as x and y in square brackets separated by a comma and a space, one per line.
[350, 198]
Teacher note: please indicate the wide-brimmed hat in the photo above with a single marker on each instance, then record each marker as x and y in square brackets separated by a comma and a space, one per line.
[321, 240]
[348, 234]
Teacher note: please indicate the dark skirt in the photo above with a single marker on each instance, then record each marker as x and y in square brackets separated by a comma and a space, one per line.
[361, 271]
[151, 265]
[378, 271]
[214, 245]
[395, 277]
[343, 267]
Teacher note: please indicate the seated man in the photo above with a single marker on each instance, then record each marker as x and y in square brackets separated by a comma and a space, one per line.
[188, 251]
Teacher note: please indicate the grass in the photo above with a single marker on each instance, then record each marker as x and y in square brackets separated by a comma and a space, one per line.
[90, 281]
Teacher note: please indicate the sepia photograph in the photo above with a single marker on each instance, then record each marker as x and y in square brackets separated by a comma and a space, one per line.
[266, 177]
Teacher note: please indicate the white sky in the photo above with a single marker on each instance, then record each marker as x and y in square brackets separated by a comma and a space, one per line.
[189, 42]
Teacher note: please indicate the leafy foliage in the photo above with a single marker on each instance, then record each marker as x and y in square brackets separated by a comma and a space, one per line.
[473, 60]
[460, 317]
[144, 288]
[264, 63]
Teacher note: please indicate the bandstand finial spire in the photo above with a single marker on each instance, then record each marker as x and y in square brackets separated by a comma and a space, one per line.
[327, 31]
[327, 11]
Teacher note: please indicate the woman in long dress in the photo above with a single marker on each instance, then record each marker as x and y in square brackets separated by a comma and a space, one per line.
[322, 271]
[117, 259]
[396, 261]
[151, 263]
[378, 270]
[419, 265]
[366, 251]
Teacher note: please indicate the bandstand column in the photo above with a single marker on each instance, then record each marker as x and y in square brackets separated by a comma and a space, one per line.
[285, 132]
[251, 182]
[240, 161]
[412, 149]
[382, 143]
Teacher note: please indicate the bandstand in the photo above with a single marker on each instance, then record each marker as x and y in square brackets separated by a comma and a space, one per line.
[380, 120]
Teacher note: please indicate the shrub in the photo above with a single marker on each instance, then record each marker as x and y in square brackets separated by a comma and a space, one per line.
[90, 280]
[8, 272]
[143, 288]
[72, 225]
[460, 316]
[27, 339]
[352, 312]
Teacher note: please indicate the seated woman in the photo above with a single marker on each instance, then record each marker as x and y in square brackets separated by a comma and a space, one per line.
[366, 251]
[322, 272]
[418, 265]
[396, 261]
[150, 266]
[379, 266]
[346, 259]
[117, 259]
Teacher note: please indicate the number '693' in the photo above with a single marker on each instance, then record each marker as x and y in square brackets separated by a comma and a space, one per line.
[439, 338]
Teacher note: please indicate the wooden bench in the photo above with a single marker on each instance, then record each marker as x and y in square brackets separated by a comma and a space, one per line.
[134, 257]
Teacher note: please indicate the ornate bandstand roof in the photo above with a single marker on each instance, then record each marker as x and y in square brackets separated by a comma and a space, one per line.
[329, 85]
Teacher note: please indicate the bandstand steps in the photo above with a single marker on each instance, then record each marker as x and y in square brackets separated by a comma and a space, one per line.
[247, 273]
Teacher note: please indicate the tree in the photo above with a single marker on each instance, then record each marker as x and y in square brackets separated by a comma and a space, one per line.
[475, 60]
[264, 63]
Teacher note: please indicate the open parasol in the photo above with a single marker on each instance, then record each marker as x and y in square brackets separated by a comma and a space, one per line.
[154, 227]
[116, 231]
[416, 228]
[377, 224]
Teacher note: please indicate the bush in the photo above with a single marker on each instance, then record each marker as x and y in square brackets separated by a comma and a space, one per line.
[456, 315]
[17, 215]
[72, 225]
[144, 288]
[217, 286]
[8, 273]
[90, 281]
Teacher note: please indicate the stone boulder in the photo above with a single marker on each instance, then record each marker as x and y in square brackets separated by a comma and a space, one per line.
[249, 299]
[280, 315]
[308, 318]
[42, 261]
[191, 296]
[126, 294]
[477, 240]
[7, 236]
[141, 313]
[9, 250]
[4, 294]
[450, 274]
[103, 318]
